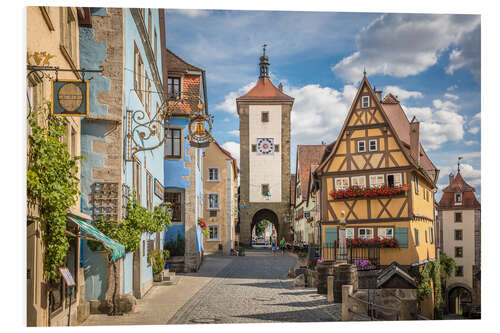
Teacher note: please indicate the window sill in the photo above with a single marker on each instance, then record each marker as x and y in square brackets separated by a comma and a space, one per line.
[213, 240]
[213, 181]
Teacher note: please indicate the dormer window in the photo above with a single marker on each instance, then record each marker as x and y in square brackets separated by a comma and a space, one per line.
[365, 102]
[458, 198]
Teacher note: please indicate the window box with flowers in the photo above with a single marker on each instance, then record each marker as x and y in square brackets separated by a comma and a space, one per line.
[203, 226]
[368, 192]
[300, 216]
[373, 242]
[309, 219]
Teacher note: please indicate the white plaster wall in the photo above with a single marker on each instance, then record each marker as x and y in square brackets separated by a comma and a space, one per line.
[264, 169]
[467, 226]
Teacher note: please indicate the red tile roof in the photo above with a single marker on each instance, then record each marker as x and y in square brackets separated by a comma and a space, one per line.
[177, 65]
[265, 90]
[458, 185]
[307, 155]
[401, 125]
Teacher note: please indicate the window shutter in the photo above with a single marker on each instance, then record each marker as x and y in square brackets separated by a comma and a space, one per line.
[402, 236]
[330, 236]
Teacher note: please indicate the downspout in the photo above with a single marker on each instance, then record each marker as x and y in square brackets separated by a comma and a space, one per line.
[205, 99]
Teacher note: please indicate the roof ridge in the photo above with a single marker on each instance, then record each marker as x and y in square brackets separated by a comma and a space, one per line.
[184, 61]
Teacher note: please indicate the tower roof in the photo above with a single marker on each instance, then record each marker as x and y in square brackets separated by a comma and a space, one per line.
[458, 185]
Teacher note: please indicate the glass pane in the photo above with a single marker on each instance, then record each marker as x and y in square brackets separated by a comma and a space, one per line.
[169, 147]
[177, 147]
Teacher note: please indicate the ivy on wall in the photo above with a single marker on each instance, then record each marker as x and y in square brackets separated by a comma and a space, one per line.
[53, 185]
[138, 221]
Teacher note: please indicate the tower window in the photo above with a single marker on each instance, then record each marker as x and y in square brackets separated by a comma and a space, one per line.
[459, 252]
[264, 117]
[254, 148]
[458, 217]
[458, 234]
[365, 102]
[458, 198]
[265, 189]
[277, 148]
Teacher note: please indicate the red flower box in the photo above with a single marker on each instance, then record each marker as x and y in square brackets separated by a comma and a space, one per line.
[368, 192]
[373, 242]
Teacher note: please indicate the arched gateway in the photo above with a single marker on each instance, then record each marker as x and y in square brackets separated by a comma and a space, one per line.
[264, 156]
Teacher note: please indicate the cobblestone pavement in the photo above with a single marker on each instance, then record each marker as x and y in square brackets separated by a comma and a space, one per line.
[253, 289]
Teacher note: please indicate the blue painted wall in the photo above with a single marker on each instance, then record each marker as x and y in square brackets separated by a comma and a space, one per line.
[127, 273]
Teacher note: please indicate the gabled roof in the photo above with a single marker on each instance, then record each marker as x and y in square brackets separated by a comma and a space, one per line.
[393, 270]
[397, 122]
[265, 90]
[307, 155]
[458, 185]
[228, 154]
[177, 65]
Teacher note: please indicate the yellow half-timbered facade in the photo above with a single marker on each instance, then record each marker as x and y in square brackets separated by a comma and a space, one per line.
[379, 176]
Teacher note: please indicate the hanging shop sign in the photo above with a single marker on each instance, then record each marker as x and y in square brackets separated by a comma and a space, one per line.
[159, 189]
[67, 277]
[70, 98]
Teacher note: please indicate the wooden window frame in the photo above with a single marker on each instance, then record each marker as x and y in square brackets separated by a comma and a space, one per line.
[459, 252]
[459, 232]
[415, 180]
[461, 217]
[170, 138]
[172, 82]
[377, 183]
[179, 206]
[364, 237]
[217, 179]
[364, 99]
[342, 187]
[370, 144]
[358, 147]
[379, 229]
[217, 227]
[264, 116]
[217, 206]
[353, 178]
[394, 181]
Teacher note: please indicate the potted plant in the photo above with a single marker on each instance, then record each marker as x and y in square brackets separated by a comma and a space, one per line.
[158, 260]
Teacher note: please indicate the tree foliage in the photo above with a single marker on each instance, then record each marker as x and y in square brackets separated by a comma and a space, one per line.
[52, 183]
[260, 227]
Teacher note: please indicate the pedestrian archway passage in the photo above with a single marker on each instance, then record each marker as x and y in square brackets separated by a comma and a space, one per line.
[457, 296]
[266, 215]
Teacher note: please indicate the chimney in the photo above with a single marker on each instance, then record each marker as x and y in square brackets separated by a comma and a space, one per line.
[415, 141]
[378, 93]
[451, 177]
[280, 87]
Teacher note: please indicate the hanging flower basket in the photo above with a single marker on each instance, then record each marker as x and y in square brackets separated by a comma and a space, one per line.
[203, 225]
[309, 219]
[368, 192]
[299, 217]
[373, 242]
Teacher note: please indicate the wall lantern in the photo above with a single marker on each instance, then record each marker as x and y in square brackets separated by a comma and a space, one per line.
[200, 127]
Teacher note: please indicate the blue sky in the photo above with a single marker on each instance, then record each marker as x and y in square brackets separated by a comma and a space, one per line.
[431, 62]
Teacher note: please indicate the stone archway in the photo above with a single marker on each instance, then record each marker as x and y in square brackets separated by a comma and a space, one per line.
[456, 295]
[266, 214]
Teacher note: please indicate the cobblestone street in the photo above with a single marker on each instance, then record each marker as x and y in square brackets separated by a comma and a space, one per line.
[253, 289]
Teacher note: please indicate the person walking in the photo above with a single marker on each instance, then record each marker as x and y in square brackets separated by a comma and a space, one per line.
[282, 246]
[274, 246]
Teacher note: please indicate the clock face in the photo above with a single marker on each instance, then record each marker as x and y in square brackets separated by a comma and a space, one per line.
[265, 146]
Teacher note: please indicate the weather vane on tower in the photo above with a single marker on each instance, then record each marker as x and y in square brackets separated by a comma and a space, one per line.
[458, 163]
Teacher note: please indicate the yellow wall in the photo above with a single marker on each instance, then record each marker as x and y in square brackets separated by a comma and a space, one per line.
[421, 205]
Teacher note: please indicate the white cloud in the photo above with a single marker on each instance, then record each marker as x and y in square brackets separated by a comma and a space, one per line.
[453, 87]
[474, 130]
[235, 132]
[192, 13]
[470, 143]
[477, 115]
[438, 124]
[318, 112]
[226, 120]
[407, 44]
[471, 175]
[403, 94]
[229, 103]
[467, 54]
[451, 96]
[233, 148]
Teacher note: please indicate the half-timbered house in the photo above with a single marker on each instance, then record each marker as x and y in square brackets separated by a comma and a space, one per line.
[379, 177]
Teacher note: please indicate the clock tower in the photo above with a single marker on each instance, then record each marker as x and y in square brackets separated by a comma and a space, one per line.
[264, 114]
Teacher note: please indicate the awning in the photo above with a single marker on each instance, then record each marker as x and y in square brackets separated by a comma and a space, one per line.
[117, 248]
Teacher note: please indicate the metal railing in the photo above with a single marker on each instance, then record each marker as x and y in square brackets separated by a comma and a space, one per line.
[365, 258]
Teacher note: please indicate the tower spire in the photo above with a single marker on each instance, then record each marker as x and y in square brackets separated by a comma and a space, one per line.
[264, 63]
[458, 164]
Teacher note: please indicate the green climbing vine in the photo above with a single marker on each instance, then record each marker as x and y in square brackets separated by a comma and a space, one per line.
[138, 221]
[52, 184]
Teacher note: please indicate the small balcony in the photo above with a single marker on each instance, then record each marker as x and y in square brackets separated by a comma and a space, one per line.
[364, 256]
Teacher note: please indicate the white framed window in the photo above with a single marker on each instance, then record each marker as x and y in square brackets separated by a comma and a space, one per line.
[358, 181]
[415, 178]
[387, 233]
[365, 233]
[376, 180]
[394, 179]
[431, 234]
[349, 233]
[361, 146]
[417, 236]
[213, 174]
[458, 198]
[365, 102]
[213, 232]
[341, 183]
[138, 74]
[373, 145]
[213, 201]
